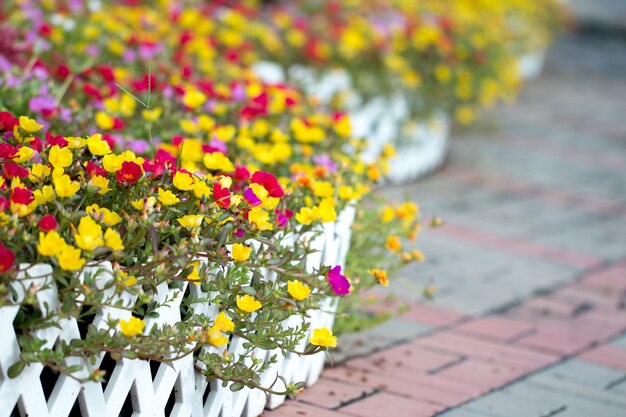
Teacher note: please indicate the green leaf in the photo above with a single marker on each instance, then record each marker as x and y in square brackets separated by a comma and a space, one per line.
[116, 356]
[249, 290]
[129, 354]
[16, 369]
[236, 386]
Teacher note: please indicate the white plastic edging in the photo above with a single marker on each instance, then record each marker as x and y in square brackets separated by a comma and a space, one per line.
[423, 152]
[422, 146]
[186, 390]
[531, 64]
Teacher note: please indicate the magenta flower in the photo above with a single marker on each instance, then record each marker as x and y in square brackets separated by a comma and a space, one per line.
[251, 198]
[338, 282]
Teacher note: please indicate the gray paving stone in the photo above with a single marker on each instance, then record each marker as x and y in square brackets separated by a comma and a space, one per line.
[620, 341]
[582, 373]
[502, 403]
[384, 335]
[574, 403]
[594, 394]
[465, 412]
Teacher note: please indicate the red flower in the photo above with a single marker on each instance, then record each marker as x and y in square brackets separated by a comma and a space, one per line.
[93, 169]
[92, 91]
[7, 151]
[22, 196]
[7, 121]
[13, 170]
[106, 73]
[221, 195]
[7, 257]
[118, 124]
[4, 204]
[242, 173]
[63, 71]
[36, 144]
[47, 223]
[59, 141]
[130, 172]
[269, 182]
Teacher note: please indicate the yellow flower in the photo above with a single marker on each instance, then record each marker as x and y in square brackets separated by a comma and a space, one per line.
[45, 195]
[241, 253]
[260, 218]
[326, 210]
[167, 198]
[217, 161]
[201, 190]
[132, 327]
[23, 209]
[152, 115]
[307, 215]
[248, 304]
[194, 275]
[89, 234]
[323, 337]
[322, 189]
[381, 276]
[60, 157]
[100, 182]
[373, 173]
[38, 172]
[29, 125]
[104, 121]
[417, 255]
[24, 154]
[191, 220]
[216, 337]
[183, 181]
[148, 203]
[110, 218]
[194, 98]
[388, 214]
[75, 142]
[224, 323]
[393, 243]
[129, 281]
[298, 290]
[50, 244]
[112, 240]
[69, 258]
[98, 146]
[65, 187]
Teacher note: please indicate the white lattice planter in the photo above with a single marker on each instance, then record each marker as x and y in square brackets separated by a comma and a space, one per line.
[531, 64]
[422, 145]
[141, 388]
[424, 150]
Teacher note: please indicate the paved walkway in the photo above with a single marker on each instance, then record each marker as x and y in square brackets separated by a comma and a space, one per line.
[530, 317]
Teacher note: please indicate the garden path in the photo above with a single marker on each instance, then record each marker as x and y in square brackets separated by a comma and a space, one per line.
[530, 316]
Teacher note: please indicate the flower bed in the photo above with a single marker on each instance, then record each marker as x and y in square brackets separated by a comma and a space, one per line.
[173, 228]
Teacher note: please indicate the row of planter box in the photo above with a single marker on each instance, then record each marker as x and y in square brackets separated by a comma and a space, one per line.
[143, 388]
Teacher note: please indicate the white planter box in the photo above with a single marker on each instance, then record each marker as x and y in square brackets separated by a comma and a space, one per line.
[423, 152]
[381, 121]
[177, 390]
[531, 64]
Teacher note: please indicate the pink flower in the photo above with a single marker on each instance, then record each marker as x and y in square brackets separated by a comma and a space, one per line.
[338, 282]
[251, 198]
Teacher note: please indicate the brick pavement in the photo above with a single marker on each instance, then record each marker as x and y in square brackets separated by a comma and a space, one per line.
[530, 316]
